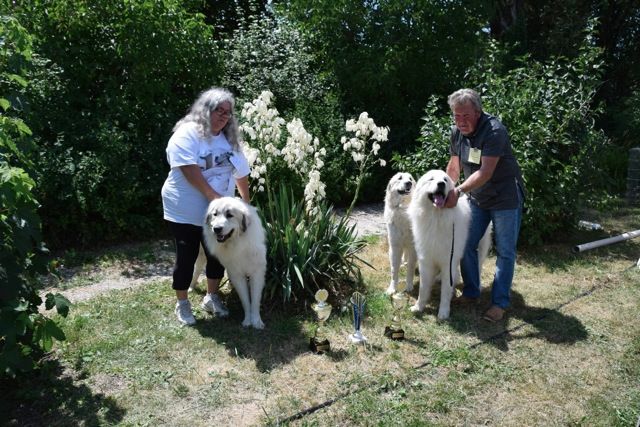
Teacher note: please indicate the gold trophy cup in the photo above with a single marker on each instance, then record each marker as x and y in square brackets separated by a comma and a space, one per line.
[399, 301]
[319, 343]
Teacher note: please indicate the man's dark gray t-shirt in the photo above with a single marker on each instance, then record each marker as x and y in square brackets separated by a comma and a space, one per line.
[492, 140]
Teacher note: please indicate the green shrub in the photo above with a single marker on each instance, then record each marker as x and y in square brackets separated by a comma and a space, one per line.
[266, 52]
[547, 109]
[24, 332]
[116, 78]
[433, 150]
[306, 253]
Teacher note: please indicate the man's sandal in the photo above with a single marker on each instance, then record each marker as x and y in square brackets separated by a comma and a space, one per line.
[494, 314]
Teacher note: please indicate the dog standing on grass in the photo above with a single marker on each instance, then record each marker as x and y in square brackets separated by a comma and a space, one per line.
[399, 236]
[440, 236]
[234, 234]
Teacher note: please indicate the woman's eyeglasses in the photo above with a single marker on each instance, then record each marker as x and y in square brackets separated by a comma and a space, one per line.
[221, 112]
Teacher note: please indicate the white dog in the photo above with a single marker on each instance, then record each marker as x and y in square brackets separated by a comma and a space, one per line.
[233, 233]
[440, 236]
[396, 202]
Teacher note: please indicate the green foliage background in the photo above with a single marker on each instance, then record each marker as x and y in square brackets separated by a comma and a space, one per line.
[548, 109]
[109, 79]
[114, 79]
[25, 333]
[269, 53]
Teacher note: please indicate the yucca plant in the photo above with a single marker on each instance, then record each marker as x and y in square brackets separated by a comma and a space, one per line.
[306, 253]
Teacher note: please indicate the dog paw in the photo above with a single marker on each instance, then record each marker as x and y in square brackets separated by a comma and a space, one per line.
[391, 289]
[443, 315]
[257, 323]
[416, 308]
[246, 322]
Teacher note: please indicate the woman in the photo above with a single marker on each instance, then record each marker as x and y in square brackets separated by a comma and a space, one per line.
[206, 162]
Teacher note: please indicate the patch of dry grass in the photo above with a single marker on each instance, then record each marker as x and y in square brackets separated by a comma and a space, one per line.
[566, 355]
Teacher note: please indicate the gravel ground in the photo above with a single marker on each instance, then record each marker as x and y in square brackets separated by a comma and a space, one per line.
[369, 219]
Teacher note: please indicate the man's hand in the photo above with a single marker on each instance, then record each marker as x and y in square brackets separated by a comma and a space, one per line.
[452, 199]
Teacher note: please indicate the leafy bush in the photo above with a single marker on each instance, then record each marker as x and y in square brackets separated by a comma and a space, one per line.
[433, 152]
[118, 75]
[308, 252]
[547, 109]
[24, 332]
[266, 52]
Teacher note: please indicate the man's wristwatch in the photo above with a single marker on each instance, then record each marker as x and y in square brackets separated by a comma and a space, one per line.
[459, 192]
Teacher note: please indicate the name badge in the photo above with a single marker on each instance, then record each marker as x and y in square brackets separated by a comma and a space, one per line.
[474, 156]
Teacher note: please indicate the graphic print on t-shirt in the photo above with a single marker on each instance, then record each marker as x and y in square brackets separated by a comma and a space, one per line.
[208, 161]
[223, 159]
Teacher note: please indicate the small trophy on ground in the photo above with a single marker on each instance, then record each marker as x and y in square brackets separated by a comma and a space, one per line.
[357, 305]
[399, 300]
[319, 343]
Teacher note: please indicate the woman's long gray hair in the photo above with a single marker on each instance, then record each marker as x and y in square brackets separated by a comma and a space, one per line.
[200, 114]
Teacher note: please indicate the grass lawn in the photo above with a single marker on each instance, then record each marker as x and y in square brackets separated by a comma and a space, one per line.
[567, 354]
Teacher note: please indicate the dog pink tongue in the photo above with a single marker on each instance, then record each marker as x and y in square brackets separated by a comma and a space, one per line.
[438, 200]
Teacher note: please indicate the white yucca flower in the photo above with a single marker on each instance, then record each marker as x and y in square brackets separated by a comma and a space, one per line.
[365, 130]
[314, 192]
[365, 133]
[262, 126]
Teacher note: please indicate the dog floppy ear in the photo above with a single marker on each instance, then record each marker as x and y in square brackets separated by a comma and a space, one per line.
[246, 219]
[389, 185]
[244, 223]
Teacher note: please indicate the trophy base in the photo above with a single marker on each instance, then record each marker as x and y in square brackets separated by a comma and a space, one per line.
[319, 347]
[358, 338]
[394, 334]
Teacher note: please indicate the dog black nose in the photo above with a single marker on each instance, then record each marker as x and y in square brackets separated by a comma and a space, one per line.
[217, 230]
[407, 186]
[441, 186]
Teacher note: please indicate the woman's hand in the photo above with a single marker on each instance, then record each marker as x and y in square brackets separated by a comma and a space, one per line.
[194, 176]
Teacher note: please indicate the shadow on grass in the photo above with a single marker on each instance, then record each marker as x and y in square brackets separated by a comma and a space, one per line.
[52, 397]
[559, 255]
[282, 340]
[549, 323]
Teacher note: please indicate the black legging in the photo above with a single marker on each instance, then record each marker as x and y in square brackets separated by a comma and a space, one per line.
[188, 238]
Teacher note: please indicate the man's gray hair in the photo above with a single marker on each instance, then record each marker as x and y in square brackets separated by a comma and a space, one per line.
[463, 96]
[200, 114]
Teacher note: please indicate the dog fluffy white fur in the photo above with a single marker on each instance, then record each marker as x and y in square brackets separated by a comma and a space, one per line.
[234, 233]
[440, 235]
[399, 236]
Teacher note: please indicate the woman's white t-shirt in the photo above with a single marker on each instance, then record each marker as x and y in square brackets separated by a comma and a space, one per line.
[220, 166]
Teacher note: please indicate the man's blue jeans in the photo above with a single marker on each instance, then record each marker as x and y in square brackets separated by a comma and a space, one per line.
[506, 227]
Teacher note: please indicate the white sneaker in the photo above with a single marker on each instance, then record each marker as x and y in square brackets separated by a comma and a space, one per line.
[184, 314]
[213, 305]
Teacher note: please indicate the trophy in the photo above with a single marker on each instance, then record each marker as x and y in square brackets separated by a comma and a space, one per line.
[319, 343]
[357, 305]
[399, 300]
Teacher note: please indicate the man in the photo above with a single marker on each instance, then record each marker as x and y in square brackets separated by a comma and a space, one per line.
[481, 149]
